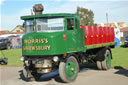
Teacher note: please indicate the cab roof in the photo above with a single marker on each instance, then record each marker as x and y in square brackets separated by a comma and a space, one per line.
[48, 15]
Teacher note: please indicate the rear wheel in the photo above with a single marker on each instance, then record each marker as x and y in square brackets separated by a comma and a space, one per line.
[68, 70]
[105, 62]
[99, 66]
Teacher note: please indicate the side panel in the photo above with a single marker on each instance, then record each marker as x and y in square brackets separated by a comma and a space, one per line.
[95, 35]
[112, 34]
[43, 44]
[90, 35]
[98, 36]
[74, 37]
[104, 35]
[100, 31]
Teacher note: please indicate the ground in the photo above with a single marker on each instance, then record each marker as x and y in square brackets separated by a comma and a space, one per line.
[117, 76]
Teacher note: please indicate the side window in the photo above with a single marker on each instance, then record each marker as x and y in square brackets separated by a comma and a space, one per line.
[70, 24]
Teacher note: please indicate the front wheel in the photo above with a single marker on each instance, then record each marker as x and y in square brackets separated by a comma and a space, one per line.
[28, 75]
[68, 70]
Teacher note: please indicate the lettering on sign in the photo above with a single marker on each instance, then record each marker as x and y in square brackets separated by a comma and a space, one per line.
[36, 48]
[36, 41]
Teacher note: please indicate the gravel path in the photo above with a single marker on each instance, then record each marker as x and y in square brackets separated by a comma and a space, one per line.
[14, 76]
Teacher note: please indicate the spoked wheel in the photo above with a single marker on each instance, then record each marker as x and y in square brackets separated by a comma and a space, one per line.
[104, 64]
[68, 70]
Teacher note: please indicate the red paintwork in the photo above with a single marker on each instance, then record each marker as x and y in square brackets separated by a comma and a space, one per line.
[112, 34]
[98, 35]
[64, 36]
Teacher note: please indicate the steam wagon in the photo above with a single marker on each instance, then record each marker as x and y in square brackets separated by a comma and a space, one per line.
[57, 41]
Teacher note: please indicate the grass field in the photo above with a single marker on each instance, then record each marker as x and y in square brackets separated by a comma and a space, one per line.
[13, 56]
[120, 57]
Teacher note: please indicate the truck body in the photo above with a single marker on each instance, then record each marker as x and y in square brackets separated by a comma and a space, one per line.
[57, 41]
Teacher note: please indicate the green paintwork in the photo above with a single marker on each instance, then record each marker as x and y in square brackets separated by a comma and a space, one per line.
[55, 41]
[71, 69]
[108, 60]
[101, 45]
[48, 15]
[74, 41]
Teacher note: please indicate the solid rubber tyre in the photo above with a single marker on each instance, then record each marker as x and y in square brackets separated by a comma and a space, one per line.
[27, 75]
[63, 68]
[99, 65]
[106, 63]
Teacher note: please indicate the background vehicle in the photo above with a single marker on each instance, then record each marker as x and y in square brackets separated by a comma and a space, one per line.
[4, 44]
[126, 41]
[58, 41]
[3, 59]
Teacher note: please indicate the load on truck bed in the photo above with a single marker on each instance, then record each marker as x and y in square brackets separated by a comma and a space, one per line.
[98, 36]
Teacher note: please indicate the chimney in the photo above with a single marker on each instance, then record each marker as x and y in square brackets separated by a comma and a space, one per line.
[38, 8]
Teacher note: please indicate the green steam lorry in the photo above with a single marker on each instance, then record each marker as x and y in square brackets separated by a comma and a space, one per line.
[57, 41]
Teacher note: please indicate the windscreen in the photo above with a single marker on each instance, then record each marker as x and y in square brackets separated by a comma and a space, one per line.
[28, 25]
[50, 24]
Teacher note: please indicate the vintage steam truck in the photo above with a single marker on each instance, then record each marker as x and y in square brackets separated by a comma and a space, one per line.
[57, 41]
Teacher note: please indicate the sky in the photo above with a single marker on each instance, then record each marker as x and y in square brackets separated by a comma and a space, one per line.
[12, 10]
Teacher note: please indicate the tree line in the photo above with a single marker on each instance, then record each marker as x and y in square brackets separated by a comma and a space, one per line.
[86, 16]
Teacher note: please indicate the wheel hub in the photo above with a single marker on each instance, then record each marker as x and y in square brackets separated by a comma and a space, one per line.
[108, 60]
[70, 69]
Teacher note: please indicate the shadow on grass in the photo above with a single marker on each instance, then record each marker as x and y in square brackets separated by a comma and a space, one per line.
[121, 71]
[123, 46]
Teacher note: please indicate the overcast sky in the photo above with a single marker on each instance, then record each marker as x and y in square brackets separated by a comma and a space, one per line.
[11, 10]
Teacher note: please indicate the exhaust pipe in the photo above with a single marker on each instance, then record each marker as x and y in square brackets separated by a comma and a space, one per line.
[38, 9]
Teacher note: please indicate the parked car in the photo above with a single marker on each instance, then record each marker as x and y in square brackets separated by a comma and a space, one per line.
[126, 41]
[5, 44]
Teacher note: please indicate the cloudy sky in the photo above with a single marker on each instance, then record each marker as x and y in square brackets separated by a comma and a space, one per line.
[11, 10]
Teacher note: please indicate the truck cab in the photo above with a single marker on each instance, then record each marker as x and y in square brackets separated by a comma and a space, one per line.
[50, 34]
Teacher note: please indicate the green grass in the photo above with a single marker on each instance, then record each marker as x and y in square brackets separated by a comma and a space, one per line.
[13, 56]
[120, 57]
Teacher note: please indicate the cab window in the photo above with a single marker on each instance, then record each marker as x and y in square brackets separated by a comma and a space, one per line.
[28, 25]
[70, 24]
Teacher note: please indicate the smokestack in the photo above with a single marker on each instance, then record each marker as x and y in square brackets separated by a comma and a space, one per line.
[38, 8]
